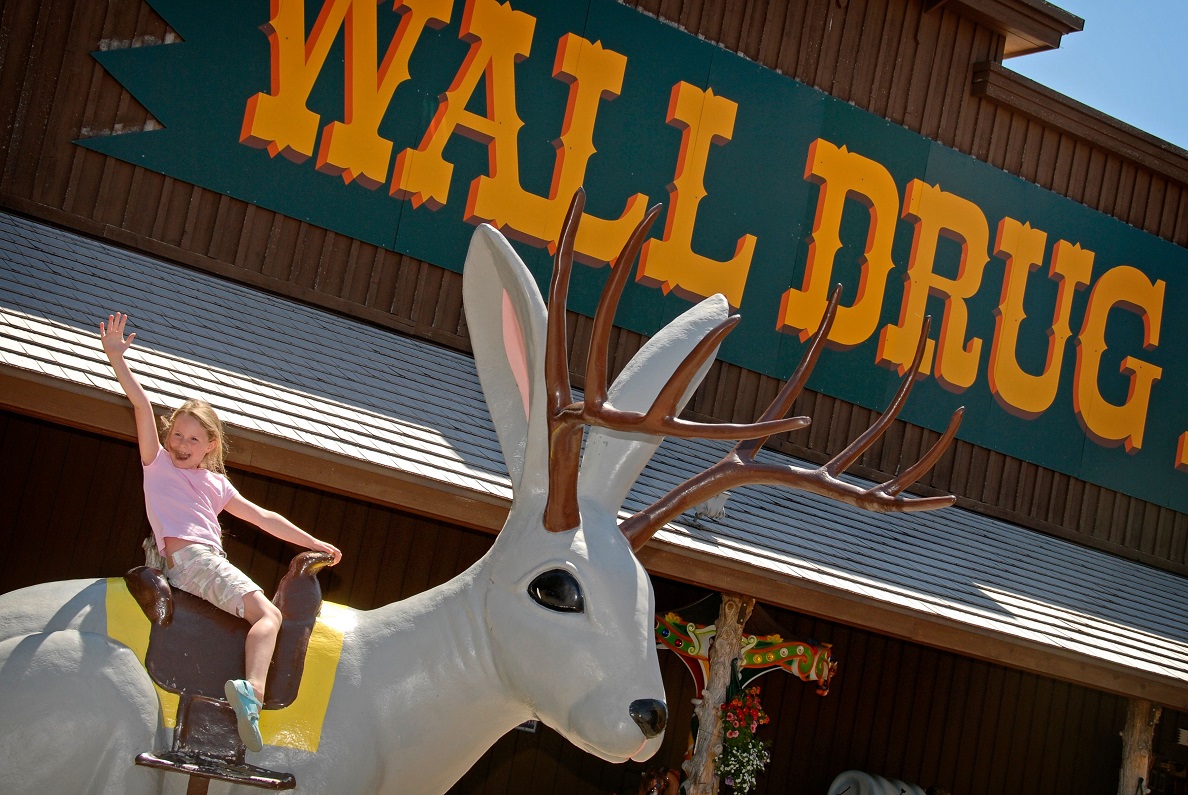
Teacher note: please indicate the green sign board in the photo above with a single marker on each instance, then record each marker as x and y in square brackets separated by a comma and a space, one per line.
[1057, 326]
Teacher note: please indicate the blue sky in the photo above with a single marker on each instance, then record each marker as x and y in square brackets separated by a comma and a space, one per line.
[1128, 62]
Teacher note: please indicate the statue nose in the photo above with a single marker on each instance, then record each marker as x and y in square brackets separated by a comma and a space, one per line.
[650, 715]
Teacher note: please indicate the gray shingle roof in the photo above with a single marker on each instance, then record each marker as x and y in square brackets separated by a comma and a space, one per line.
[284, 369]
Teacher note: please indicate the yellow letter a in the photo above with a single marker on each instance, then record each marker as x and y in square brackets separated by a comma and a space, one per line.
[499, 38]
[594, 74]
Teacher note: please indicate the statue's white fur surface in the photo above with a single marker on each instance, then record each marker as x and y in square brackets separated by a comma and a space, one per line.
[424, 686]
[855, 782]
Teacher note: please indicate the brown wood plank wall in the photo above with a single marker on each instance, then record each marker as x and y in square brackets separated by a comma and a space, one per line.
[75, 509]
[887, 56]
[929, 717]
[913, 67]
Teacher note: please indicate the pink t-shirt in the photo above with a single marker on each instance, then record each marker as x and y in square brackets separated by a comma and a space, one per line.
[185, 503]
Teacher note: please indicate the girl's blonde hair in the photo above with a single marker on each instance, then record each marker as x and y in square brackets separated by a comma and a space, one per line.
[204, 414]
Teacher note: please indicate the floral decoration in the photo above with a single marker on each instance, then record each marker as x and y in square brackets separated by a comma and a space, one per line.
[744, 756]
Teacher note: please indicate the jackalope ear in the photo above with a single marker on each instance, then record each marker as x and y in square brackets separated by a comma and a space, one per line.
[506, 318]
[614, 459]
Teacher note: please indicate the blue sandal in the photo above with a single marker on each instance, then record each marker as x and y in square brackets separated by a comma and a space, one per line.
[242, 697]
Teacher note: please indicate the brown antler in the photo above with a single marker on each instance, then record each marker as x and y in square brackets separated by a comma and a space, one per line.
[739, 468]
[567, 418]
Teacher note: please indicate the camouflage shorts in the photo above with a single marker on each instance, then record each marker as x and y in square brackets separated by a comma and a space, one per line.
[206, 573]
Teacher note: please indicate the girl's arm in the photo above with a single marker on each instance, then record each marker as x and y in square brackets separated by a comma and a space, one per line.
[274, 524]
[114, 343]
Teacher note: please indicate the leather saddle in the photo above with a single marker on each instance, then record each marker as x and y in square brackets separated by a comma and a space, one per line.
[194, 648]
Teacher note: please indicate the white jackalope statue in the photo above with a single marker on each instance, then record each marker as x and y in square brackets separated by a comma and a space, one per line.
[554, 622]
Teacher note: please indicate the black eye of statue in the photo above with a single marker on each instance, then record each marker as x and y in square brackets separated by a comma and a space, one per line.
[557, 590]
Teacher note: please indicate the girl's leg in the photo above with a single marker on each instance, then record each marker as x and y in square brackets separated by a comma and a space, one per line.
[265, 618]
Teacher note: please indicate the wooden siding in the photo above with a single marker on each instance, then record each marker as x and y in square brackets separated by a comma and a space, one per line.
[891, 57]
[897, 708]
[915, 67]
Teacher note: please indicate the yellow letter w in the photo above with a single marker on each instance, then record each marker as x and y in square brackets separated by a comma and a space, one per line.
[281, 121]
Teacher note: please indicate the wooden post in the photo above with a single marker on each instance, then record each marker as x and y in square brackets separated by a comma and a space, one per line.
[1137, 745]
[198, 786]
[702, 768]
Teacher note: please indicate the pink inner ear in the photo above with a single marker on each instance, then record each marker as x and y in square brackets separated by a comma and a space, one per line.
[513, 346]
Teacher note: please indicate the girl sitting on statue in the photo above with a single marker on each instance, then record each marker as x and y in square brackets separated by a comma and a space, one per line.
[185, 489]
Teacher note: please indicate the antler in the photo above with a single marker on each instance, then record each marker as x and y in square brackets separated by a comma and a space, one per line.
[567, 418]
[739, 467]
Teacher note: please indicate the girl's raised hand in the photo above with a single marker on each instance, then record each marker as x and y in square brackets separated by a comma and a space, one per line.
[111, 335]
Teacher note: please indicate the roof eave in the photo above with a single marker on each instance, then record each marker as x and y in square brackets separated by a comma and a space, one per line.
[1066, 115]
[1027, 25]
[805, 596]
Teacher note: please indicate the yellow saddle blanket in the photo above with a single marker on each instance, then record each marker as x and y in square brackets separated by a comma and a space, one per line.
[298, 725]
